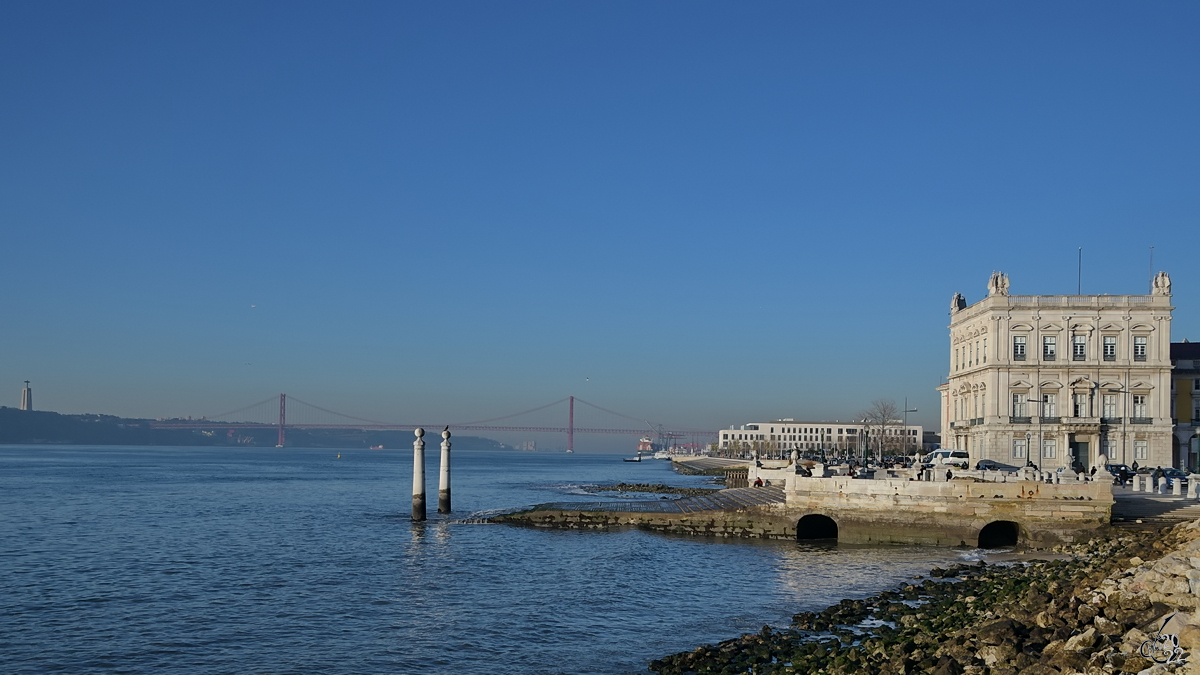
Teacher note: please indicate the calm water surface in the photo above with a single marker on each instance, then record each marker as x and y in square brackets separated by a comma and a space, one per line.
[221, 560]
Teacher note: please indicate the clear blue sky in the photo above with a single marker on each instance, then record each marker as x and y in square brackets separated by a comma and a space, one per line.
[700, 213]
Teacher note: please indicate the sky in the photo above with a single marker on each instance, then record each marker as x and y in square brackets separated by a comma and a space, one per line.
[695, 213]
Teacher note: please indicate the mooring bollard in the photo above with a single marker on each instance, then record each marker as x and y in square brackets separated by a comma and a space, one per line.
[1176, 487]
[444, 479]
[418, 475]
[1135, 483]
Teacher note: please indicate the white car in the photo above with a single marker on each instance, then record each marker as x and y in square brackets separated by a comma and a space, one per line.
[955, 458]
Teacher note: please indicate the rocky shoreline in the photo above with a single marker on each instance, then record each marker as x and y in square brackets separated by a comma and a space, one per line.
[655, 488]
[1088, 611]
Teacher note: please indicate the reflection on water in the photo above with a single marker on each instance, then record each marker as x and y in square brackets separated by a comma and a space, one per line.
[224, 560]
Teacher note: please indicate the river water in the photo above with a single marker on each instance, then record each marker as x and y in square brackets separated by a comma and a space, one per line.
[235, 560]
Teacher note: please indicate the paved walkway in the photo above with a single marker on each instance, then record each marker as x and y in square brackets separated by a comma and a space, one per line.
[735, 498]
[1153, 510]
[702, 463]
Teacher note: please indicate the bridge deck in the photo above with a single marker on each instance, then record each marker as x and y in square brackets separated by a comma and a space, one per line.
[734, 498]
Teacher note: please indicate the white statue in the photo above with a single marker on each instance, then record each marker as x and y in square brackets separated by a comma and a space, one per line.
[957, 302]
[998, 284]
[1162, 284]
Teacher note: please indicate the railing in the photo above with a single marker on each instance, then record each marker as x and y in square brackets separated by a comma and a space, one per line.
[1051, 420]
[1110, 420]
[1020, 420]
[1141, 420]
[1090, 300]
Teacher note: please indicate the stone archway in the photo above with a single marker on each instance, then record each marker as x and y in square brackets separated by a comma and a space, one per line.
[999, 533]
[816, 526]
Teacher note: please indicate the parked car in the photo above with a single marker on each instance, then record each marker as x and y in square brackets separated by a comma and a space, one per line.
[956, 458]
[988, 465]
[1120, 472]
[1176, 475]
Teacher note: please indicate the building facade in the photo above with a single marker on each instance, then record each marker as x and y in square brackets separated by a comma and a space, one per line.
[1185, 402]
[1058, 380]
[787, 434]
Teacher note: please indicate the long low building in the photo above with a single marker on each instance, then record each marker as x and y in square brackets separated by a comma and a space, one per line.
[789, 434]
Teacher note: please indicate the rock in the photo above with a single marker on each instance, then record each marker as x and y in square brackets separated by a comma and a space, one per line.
[1084, 640]
[997, 654]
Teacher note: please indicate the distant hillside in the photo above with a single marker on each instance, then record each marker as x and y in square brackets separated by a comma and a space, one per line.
[43, 427]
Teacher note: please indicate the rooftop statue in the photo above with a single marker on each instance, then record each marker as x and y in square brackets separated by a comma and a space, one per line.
[1162, 284]
[957, 302]
[998, 284]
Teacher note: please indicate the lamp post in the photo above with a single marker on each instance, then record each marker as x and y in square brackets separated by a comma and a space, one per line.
[906, 411]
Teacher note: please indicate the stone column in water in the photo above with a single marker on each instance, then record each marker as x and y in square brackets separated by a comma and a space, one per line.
[444, 479]
[418, 512]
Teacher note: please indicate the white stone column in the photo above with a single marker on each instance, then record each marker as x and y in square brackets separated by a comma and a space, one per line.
[1176, 487]
[1193, 486]
[418, 503]
[444, 479]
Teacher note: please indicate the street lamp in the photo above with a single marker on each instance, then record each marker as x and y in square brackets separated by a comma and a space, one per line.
[906, 411]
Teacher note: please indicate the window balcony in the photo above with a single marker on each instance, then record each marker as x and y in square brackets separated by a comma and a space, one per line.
[1079, 357]
[1018, 357]
[1020, 420]
[1047, 357]
[1051, 420]
[976, 420]
[1110, 420]
[1110, 357]
[1141, 420]
[1139, 357]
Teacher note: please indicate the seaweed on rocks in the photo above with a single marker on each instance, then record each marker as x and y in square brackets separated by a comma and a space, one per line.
[1083, 614]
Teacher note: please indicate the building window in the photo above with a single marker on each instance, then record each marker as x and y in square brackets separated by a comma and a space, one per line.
[1139, 348]
[1049, 448]
[1019, 448]
[1048, 347]
[1110, 406]
[1080, 406]
[1018, 409]
[985, 350]
[1079, 348]
[1110, 347]
[1050, 405]
[1141, 449]
[1106, 448]
[1139, 405]
[1018, 348]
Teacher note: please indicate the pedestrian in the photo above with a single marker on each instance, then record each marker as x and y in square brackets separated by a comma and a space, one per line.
[1135, 466]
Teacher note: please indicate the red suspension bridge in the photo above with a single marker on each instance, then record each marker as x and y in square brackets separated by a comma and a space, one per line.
[262, 415]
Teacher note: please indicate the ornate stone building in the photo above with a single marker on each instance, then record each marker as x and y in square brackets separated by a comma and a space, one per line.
[1057, 380]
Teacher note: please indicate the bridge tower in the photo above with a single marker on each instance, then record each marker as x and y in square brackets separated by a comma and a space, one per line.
[571, 427]
[282, 419]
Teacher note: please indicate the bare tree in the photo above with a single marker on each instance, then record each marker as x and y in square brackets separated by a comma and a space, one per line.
[883, 414]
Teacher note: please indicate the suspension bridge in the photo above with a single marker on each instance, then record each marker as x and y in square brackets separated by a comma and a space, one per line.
[265, 415]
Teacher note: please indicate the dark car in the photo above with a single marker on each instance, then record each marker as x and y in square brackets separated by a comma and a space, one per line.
[1120, 472]
[1176, 475]
[987, 465]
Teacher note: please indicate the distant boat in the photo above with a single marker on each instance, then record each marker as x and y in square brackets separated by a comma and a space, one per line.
[376, 447]
[633, 459]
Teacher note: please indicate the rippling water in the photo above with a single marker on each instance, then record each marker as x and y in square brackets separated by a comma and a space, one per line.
[214, 560]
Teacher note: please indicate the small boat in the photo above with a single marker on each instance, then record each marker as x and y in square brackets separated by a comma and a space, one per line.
[633, 459]
[376, 447]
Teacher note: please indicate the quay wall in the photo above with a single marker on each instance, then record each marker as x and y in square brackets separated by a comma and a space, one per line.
[950, 513]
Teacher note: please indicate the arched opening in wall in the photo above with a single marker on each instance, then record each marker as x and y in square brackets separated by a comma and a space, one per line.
[816, 526]
[999, 534]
